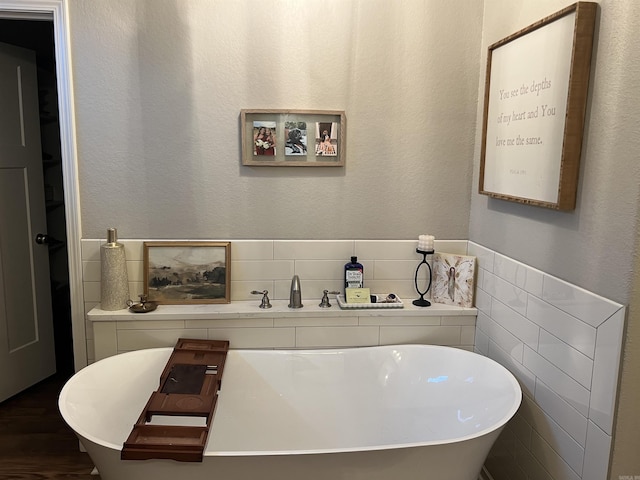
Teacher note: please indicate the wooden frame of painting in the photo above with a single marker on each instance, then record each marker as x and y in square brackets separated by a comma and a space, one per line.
[179, 273]
[293, 138]
[534, 109]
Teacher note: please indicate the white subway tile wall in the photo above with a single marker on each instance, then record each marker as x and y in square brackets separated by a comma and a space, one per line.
[564, 345]
[269, 265]
[561, 342]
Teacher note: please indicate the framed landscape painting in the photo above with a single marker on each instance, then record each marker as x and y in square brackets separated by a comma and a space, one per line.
[187, 272]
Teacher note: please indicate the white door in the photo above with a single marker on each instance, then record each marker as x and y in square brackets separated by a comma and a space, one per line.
[27, 353]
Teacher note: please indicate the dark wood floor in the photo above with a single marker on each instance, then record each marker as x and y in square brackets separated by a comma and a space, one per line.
[35, 442]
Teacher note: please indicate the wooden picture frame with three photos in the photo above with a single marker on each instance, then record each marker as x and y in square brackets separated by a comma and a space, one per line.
[279, 118]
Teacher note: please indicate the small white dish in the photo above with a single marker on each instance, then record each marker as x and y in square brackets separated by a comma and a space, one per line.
[342, 302]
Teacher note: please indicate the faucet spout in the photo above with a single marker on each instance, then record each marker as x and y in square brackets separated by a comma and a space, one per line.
[295, 295]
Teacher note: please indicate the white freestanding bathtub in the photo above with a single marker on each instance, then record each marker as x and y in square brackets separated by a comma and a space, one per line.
[390, 412]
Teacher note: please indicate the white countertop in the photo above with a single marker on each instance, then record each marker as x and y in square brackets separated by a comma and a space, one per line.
[280, 309]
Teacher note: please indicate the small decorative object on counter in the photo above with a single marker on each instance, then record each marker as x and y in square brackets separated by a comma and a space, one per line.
[144, 306]
[114, 285]
[426, 243]
[353, 274]
[454, 279]
[375, 302]
[425, 247]
[357, 295]
[391, 298]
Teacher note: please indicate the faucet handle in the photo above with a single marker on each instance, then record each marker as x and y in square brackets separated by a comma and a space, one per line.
[324, 303]
[265, 298]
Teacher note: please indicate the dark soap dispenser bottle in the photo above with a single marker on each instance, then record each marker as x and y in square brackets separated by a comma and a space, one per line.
[353, 274]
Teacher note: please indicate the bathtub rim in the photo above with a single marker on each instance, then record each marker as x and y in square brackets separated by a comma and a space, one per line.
[497, 426]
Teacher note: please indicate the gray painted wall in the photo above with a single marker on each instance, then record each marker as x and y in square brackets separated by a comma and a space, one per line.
[592, 246]
[159, 85]
[596, 245]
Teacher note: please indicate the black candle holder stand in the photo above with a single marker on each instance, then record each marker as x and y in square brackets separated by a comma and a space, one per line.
[421, 302]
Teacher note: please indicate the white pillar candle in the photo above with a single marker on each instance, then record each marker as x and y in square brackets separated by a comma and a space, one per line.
[425, 243]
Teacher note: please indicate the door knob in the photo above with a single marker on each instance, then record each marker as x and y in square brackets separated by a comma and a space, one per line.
[42, 238]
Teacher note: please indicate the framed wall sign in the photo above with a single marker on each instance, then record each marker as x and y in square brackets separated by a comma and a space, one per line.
[293, 138]
[187, 272]
[534, 108]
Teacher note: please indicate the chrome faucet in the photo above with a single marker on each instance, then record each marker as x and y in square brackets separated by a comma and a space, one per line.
[295, 295]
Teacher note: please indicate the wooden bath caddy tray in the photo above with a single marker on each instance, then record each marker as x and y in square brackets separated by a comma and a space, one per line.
[189, 387]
